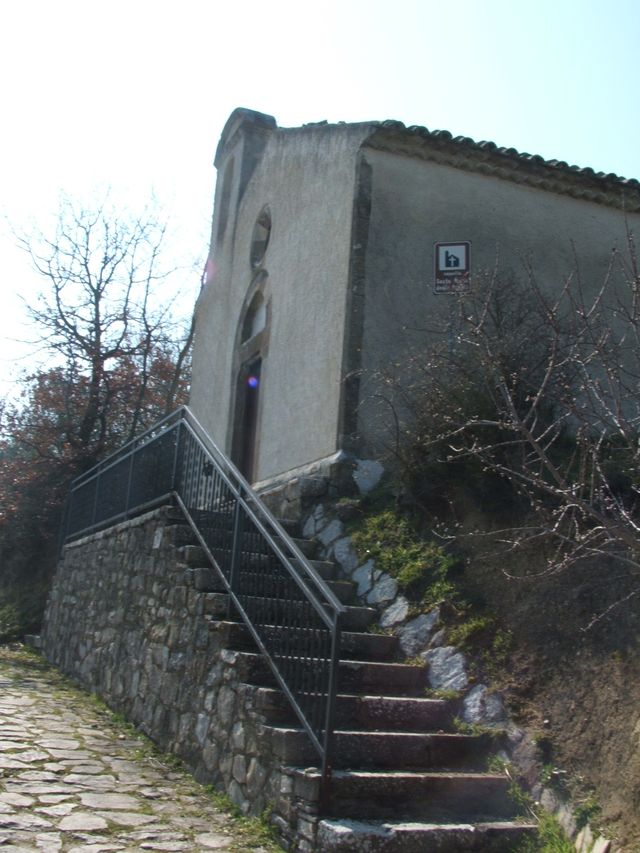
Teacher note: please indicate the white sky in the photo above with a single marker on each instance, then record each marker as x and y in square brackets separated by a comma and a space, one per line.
[133, 95]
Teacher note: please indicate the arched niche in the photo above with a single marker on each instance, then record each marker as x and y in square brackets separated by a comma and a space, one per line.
[260, 237]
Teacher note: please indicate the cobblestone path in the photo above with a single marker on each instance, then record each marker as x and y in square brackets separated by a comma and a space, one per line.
[73, 780]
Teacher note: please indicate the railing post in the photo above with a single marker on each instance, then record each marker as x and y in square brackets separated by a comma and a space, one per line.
[236, 548]
[129, 482]
[95, 499]
[64, 524]
[176, 452]
[327, 758]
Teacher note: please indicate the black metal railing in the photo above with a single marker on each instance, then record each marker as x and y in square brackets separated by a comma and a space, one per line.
[290, 611]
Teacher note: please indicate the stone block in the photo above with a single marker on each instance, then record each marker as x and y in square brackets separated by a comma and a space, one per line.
[447, 668]
[334, 530]
[363, 576]
[367, 475]
[226, 705]
[238, 738]
[256, 777]
[344, 553]
[307, 828]
[482, 706]
[286, 784]
[205, 580]
[312, 487]
[415, 635]
[202, 727]
[438, 638]
[307, 786]
[566, 820]
[210, 755]
[584, 840]
[395, 613]
[237, 797]
[239, 769]
[385, 589]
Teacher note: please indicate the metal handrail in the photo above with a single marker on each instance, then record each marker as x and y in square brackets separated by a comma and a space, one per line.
[290, 611]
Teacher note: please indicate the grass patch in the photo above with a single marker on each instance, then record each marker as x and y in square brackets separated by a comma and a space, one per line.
[257, 829]
[551, 838]
[553, 777]
[587, 812]
[442, 693]
[477, 730]
[421, 567]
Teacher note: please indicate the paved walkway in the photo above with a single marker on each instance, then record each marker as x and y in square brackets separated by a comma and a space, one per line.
[73, 780]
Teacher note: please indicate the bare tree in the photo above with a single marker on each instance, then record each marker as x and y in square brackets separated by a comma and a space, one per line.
[105, 312]
[541, 391]
[115, 360]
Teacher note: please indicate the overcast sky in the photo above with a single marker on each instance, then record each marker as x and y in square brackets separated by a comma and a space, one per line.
[133, 96]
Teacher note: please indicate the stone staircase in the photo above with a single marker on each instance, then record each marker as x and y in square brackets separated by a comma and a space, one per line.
[404, 779]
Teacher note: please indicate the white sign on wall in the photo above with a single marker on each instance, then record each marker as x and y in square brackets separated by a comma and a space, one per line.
[452, 267]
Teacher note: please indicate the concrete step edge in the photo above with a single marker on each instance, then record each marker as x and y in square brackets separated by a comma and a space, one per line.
[342, 835]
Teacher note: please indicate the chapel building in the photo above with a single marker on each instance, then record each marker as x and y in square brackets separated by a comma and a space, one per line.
[335, 249]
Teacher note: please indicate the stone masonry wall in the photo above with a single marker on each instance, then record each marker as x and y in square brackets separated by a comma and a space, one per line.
[125, 620]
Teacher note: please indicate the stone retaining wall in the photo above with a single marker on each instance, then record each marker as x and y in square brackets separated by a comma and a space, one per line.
[125, 620]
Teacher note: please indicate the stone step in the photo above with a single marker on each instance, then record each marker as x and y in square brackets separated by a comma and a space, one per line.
[367, 713]
[325, 568]
[309, 547]
[290, 526]
[388, 750]
[354, 618]
[193, 556]
[343, 590]
[353, 645]
[360, 646]
[235, 635]
[180, 534]
[358, 618]
[393, 713]
[265, 561]
[355, 836]
[353, 676]
[218, 530]
[381, 678]
[216, 605]
[223, 520]
[436, 797]
[280, 585]
[204, 580]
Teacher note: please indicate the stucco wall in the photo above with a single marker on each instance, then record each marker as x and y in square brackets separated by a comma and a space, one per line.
[415, 203]
[306, 176]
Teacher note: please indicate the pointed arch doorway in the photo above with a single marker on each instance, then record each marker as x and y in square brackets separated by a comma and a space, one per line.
[251, 347]
[245, 452]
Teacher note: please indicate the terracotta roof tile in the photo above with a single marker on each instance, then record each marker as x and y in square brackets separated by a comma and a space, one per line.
[507, 163]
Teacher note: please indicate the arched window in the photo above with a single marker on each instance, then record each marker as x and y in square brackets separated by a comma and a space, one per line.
[260, 238]
[255, 318]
